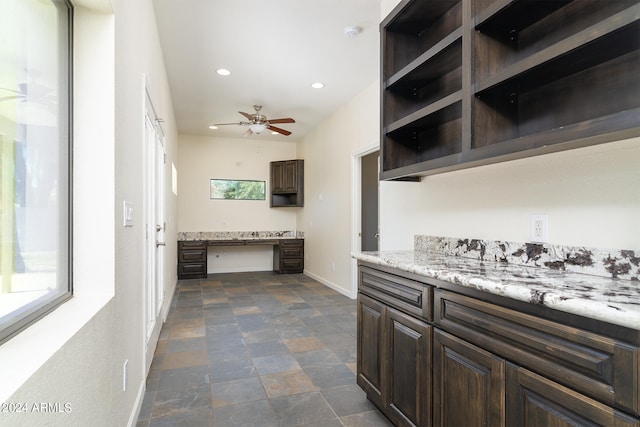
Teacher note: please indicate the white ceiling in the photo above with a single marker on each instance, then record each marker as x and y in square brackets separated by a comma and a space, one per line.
[275, 50]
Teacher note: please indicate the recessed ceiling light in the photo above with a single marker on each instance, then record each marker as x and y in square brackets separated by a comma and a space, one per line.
[317, 85]
[214, 127]
[275, 133]
[223, 71]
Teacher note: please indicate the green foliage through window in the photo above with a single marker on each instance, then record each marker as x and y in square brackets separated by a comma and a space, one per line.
[233, 189]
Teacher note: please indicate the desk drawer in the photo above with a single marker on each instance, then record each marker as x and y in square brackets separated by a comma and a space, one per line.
[192, 255]
[191, 271]
[288, 243]
[291, 252]
[191, 244]
[291, 265]
[598, 366]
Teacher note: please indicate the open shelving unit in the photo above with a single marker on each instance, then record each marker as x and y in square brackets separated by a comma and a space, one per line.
[467, 83]
[421, 83]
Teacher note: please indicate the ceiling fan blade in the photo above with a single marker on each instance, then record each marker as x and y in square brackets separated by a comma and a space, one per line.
[224, 124]
[249, 132]
[280, 131]
[283, 120]
[247, 115]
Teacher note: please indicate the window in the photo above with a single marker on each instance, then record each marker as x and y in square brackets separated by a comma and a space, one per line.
[35, 160]
[237, 189]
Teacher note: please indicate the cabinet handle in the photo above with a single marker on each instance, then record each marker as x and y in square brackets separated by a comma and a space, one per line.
[160, 244]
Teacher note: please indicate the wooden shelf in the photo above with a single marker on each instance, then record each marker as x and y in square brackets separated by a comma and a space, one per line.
[515, 15]
[465, 83]
[597, 44]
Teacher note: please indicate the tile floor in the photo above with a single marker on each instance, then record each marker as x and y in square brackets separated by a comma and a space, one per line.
[257, 349]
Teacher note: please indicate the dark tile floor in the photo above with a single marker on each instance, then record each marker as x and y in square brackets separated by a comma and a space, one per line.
[257, 349]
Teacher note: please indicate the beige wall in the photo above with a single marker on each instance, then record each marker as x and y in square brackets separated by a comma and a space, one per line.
[76, 354]
[591, 195]
[203, 158]
[327, 216]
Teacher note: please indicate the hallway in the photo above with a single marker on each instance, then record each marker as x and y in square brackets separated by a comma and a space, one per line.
[257, 349]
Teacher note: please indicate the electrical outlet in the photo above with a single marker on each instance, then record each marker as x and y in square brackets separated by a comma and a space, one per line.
[540, 228]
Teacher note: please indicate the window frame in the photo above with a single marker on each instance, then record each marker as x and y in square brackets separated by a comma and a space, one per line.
[35, 310]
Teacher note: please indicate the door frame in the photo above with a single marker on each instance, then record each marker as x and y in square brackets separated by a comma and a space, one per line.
[356, 209]
[154, 189]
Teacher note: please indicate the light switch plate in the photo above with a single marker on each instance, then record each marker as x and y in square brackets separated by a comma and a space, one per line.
[127, 214]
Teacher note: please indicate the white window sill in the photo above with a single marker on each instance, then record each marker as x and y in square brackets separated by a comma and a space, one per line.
[24, 354]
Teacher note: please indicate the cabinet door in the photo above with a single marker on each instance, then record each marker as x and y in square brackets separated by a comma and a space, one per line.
[468, 384]
[290, 176]
[371, 347]
[409, 369]
[277, 181]
[535, 401]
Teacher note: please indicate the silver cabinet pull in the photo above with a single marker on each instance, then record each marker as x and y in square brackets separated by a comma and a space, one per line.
[160, 244]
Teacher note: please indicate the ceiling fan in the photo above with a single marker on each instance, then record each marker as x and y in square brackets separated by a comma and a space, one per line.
[259, 122]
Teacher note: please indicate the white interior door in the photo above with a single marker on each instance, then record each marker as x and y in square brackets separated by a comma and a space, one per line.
[150, 233]
[160, 224]
[154, 247]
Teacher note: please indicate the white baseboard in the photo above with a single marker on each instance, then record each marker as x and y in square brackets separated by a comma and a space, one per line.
[332, 285]
[133, 419]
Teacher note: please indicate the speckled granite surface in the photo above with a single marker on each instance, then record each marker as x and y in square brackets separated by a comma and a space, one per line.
[614, 263]
[240, 235]
[612, 300]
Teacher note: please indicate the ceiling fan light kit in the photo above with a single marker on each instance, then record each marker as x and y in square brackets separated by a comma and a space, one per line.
[257, 127]
[258, 123]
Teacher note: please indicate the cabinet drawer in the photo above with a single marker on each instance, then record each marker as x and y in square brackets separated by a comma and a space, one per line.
[191, 270]
[603, 368]
[292, 264]
[192, 255]
[292, 252]
[292, 243]
[407, 295]
[191, 244]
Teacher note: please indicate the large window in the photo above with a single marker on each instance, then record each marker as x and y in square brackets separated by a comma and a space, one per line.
[35, 154]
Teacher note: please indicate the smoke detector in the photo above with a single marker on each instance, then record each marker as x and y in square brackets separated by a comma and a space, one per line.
[352, 31]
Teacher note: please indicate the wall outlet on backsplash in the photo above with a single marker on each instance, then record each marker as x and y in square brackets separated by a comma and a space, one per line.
[540, 228]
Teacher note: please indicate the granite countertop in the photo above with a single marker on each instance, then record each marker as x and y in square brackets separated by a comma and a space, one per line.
[238, 235]
[611, 300]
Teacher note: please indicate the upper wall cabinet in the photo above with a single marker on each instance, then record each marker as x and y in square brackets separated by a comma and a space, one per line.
[467, 83]
[287, 183]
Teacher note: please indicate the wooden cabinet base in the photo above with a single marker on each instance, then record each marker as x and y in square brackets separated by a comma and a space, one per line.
[432, 353]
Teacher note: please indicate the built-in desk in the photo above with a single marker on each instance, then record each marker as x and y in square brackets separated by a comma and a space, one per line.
[288, 254]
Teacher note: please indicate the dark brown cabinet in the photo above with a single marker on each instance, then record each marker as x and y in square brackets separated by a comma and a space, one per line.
[371, 348]
[287, 183]
[394, 349]
[439, 354]
[408, 376]
[192, 259]
[472, 82]
[288, 256]
[468, 377]
[533, 401]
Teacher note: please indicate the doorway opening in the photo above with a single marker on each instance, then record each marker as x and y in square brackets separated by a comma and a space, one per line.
[365, 206]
